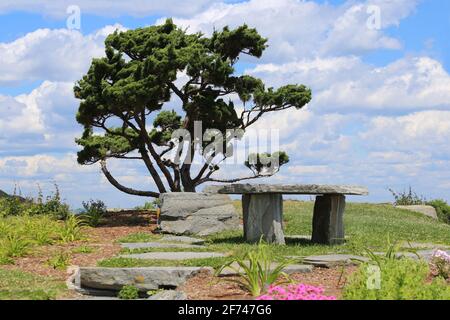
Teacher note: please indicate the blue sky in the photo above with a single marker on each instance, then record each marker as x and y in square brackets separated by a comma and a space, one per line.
[380, 114]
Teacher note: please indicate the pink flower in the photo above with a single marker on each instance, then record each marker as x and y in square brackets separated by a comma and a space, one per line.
[295, 292]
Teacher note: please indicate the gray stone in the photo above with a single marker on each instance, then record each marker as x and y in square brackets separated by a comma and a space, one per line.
[149, 245]
[145, 279]
[182, 239]
[235, 269]
[328, 220]
[428, 211]
[312, 189]
[173, 255]
[332, 260]
[263, 217]
[169, 295]
[187, 213]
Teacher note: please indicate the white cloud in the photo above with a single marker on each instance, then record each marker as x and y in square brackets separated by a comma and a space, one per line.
[114, 8]
[299, 29]
[55, 55]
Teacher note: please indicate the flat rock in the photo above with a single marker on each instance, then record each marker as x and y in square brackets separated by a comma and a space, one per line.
[149, 245]
[145, 279]
[312, 189]
[428, 211]
[235, 269]
[190, 213]
[426, 245]
[172, 255]
[169, 295]
[183, 239]
[332, 260]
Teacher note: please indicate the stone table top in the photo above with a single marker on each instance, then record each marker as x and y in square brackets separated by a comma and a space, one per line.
[307, 189]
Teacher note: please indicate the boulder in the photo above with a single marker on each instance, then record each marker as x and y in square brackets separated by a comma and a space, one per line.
[186, 213]
[145, 279]
[169, 295]
[425, 210]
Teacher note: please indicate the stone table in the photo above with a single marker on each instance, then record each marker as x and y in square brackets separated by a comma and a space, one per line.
[262, 206]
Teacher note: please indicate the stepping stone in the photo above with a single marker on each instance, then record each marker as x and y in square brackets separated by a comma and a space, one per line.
[173, 255]
[183, 239]
[145, 279]
[146, 245]
[235, 269]
[332, 260]
[169, 295]
[419, 245]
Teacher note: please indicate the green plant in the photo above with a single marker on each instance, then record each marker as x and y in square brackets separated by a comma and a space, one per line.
[399, 279]
[71, 229]
[256, 269]
[14, 245]
[442, 210]
[83, 249]
[128, 292]
[93, 212]
[59, 261]
[407, 198]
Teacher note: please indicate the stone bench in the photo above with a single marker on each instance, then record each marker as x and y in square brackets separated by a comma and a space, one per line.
[262, 206]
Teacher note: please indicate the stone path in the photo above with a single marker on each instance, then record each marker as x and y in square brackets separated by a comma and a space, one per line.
[183, 239]
[332, 260]
[150, 245]
[173, 255]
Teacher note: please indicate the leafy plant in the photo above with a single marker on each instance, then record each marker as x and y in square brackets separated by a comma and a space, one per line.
[59, 261]
[14, 246]
[83, 249]
[440, 262]
[93, 212]
[71, 230]
[407, 198]
[442, 210]
[256, 269]
[128, 292]
[402, 279]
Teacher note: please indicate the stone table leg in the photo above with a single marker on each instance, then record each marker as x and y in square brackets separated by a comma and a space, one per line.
[263, 216]
[328, 222]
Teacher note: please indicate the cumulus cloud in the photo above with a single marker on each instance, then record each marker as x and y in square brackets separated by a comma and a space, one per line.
[54, 55]
[306, 28]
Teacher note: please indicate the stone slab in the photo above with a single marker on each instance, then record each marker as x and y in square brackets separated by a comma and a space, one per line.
[235, 269]
[173, 255]
[189, 213]
[428, 211]
[307, 189]
[145, 279]
[333, 260]
[183, 239]
[169, 295]
[149, 245]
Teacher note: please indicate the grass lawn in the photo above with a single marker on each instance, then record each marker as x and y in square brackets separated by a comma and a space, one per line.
[18, 285]
[367, 225]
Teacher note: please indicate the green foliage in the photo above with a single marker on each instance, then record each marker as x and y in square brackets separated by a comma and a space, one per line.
[59, 261]
[93, 212]
[128, 292]
[407, 198]
[71, 230]
[140, 237]
[442, 210]
[149, 205]
[139, 75]
[266, 163]
[83, 249]
[13, 246]
[256, 270]
[403, 279]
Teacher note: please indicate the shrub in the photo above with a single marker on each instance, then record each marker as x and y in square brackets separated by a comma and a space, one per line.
[295, 292]
[128, 292]
[14, 245]
[93, 212]
[256, 269]
[442, 210]
[407, 198]
[403, 279]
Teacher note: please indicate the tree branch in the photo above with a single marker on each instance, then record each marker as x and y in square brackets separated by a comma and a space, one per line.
[121, 187]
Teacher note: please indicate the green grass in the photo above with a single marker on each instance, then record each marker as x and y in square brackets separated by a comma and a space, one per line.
[139, 237]
[17, 285]
[366, 225]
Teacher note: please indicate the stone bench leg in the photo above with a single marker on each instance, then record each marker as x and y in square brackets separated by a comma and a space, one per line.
[328, 222]
[263, 216]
